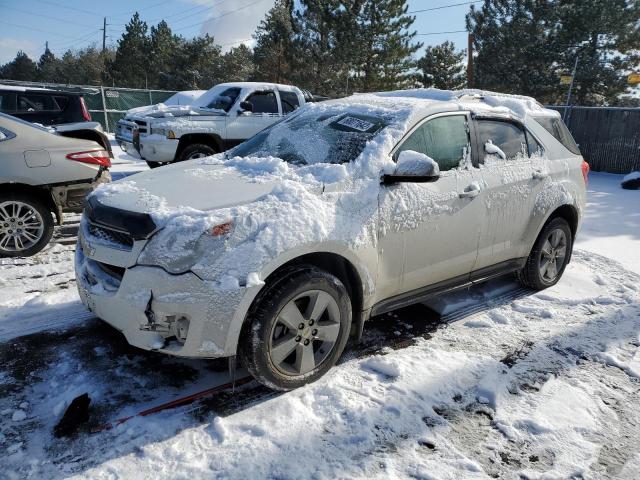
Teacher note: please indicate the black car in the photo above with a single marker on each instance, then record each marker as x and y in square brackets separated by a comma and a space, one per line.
[46, 107]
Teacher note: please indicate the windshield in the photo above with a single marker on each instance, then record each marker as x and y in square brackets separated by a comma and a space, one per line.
[314, 137]
[225, 100]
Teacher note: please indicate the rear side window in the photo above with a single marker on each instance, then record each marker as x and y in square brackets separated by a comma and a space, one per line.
[289, 101]
[506, 136]
[444, 139]
[264, 102]
[61, 102]
[556, 127]
[28, 102]
[6, 134]
[7, 102]
[534, 147]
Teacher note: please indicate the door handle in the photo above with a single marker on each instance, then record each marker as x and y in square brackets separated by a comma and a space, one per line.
[539, 175]
[471, 191]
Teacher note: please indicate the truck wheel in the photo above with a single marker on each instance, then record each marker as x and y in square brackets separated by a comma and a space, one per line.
[26, 225]
[156, 164]
[197, 150]
[549, 256]
[297, 329]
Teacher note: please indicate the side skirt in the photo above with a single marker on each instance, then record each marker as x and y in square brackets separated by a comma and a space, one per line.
[446, 286]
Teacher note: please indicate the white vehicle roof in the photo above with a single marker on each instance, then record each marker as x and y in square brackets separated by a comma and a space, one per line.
[432, 100]
[207, 97]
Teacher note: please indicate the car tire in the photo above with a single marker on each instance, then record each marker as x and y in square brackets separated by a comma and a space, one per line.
[549, 257]
[197, 150]
[18, 211]
[157, 164]
[275, 349]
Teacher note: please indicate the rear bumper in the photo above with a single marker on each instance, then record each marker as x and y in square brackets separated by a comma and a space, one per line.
[71, 197]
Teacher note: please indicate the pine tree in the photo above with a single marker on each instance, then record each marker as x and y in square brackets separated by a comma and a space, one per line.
[237, 64]
[318, 49]
[131, 64]
[165, 47]
[442, 67]
[524, 46]
[273, 52]
[387, 46]
[48, 67]
[605, 37]
[20, 68]
[513, 40]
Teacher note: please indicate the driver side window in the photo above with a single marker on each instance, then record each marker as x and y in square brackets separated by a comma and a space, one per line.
[444, 139]
[264, 102]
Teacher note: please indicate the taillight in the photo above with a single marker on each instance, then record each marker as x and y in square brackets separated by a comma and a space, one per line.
[85, 112]
[95, 157]
[585, 172]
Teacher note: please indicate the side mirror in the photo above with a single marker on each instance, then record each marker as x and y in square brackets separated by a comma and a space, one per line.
[246, 106]
[413, 167]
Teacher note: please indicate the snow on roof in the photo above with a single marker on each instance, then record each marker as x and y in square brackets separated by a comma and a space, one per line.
[279, 86]
[475, 100]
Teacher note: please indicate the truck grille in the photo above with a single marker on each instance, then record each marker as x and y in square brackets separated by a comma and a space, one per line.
[142, 126]
[111, 236]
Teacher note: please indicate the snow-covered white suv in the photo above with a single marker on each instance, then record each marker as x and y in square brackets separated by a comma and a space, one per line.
[283, 247]
[221, 118]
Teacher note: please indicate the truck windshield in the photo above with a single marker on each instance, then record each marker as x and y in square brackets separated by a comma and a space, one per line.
[224, 100]
[314, 137]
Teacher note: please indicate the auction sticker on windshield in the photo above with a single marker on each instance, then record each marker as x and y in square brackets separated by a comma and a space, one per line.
[356, 124]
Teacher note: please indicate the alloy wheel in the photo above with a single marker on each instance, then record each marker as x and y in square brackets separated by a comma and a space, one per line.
[304, 333]
[21, 226]
[553, 255]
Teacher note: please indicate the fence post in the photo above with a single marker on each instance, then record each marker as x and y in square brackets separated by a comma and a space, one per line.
[104, 111]
[150, 98]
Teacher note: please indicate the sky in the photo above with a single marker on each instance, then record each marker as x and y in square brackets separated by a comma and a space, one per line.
[27, 24]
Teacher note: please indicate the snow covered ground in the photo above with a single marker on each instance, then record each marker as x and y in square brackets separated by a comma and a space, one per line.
[495, 382]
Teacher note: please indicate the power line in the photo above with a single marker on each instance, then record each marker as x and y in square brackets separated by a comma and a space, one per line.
[451, 5]
[442, 33]
[56, 4]
[58, 19]
[35, 29]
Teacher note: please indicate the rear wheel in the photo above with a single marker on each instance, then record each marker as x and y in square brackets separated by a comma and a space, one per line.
[26, 225]
[549, 256]
[197, 150]
[297, 330]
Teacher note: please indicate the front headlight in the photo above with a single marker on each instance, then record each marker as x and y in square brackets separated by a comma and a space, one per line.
[165, 132]
[178, 249]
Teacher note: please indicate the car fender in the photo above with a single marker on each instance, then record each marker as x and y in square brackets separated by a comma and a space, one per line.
[361, 260]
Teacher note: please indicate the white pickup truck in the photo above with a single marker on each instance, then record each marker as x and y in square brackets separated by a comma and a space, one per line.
[221, 118]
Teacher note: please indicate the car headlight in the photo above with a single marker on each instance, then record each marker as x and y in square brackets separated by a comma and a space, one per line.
[178, 248]
[165, 132]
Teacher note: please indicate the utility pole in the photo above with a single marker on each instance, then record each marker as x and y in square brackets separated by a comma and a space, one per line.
[470, 61]
[104, 34]
[573, 77]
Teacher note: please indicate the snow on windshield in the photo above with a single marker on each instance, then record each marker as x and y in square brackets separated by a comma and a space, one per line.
[335, 136]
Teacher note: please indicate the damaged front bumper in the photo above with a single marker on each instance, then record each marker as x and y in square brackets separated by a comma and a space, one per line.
[180, 315]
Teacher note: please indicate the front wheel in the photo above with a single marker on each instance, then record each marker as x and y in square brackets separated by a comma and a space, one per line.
[297, 330]
[197, 150]
[26, 225]
[549, 256]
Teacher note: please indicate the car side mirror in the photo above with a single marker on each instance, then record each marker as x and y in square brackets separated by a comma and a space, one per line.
[413, 167]
[246, 107]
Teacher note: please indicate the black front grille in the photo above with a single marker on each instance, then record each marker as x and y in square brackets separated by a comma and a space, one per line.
[138, 225]
[111, 236]
[112, 270]
[142, 126]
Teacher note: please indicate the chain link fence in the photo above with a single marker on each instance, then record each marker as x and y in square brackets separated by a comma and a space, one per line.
[107, 105]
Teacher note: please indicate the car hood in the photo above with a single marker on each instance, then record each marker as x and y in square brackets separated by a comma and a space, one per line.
[182, 186]
[172, 111]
